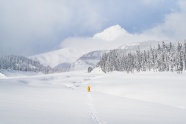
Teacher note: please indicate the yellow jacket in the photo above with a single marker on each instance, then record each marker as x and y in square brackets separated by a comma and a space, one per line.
[88, 88]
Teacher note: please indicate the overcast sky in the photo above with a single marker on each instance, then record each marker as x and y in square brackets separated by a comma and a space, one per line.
[29, 27]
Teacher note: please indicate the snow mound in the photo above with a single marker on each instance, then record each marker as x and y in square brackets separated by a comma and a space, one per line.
[111, 33]
[97, 70]
[2, 76]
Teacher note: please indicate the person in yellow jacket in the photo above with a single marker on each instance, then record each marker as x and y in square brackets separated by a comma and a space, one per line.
[88, 88]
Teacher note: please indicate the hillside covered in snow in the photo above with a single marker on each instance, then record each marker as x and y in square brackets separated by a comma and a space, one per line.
[88, 60]
[53, 58]
[72, 55]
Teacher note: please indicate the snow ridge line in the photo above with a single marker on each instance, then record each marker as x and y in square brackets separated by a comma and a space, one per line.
[92, 110]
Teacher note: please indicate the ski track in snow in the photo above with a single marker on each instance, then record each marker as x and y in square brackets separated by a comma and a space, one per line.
[92, 110]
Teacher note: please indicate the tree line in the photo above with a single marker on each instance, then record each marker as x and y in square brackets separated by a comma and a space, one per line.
[164, 57]
[12, 62]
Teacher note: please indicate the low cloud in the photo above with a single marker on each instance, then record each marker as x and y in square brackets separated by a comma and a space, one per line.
[90, 44]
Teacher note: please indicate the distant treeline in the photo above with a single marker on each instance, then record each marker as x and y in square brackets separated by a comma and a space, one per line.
[21, 63]
[164, 57]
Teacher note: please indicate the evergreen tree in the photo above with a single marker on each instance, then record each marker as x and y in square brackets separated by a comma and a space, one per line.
[167, 57]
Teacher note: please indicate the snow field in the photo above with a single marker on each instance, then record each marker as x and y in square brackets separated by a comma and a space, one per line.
[42, 105]
[115, 98]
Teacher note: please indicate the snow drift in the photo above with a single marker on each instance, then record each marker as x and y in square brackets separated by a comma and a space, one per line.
[97, 70]
[2, 76]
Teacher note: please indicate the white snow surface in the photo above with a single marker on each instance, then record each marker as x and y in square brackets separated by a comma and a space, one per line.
[80, 65]
[53, 58]
[115, 98]
[6, 73]
[2, 76]
[97, 70]
[88, 60]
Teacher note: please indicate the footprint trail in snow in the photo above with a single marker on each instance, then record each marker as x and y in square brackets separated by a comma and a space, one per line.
[92, 110]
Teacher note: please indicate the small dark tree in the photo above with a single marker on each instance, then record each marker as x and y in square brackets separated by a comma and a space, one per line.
[90, 69]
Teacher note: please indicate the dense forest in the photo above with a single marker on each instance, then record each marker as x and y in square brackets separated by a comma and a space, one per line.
[21, 63]
[164, 57]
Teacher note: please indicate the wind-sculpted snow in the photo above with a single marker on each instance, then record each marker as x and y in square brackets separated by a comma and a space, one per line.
[115, 98]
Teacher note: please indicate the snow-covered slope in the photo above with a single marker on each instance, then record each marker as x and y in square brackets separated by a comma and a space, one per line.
[111, 33]
[143, 45]
[53, 58]
[115, 98]
[62, 67]
[7, 73]
[88, 60]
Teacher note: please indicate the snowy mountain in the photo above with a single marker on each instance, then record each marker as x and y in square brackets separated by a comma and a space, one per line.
[112, 33]
[62, 56]
[70, 55]
[143, 45]
[62, 67]
[88, 60]
[130, 42]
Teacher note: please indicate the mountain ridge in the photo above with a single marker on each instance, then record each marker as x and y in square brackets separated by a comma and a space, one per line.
[53, 58]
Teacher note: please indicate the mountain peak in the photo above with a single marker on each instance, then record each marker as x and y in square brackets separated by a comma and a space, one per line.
[111, 33]
[115, 27]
